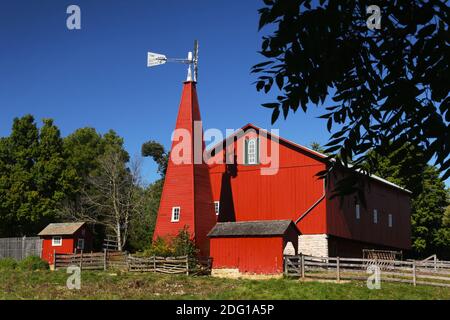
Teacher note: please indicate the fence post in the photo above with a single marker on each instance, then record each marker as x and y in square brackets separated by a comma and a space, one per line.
[154, 263]
[187, 265]
[414, 273]
[54, 259]
[285, 266]
[338, 271]
[104, 259]
[81, 260]
[302, 258]
[23, 246]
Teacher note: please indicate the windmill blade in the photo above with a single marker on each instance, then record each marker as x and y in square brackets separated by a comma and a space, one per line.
[155, 59]
[195, 60]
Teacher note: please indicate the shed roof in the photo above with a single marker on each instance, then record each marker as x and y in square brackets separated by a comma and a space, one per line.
[67, 228]
[251, 228]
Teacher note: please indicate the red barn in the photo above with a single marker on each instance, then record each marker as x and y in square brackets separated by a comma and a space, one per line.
[254, 175]
[65, 238]
[328, 226]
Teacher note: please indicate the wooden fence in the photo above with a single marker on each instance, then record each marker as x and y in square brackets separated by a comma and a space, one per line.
[170, 265]
[414, 272]
[92, 261]
[20, 248]
[121, 260]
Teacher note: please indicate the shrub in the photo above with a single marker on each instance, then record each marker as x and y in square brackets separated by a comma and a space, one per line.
[8, 263]
[184, 245]
[180, 245]
[33, 263]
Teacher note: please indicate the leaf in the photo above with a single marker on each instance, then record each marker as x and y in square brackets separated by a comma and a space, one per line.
[275, 114]
[271, 105]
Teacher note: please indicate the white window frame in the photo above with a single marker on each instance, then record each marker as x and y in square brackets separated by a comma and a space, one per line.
[254, 154]
[358, 212]
[174, 217]
[78, 244]
[375, 216]
[57, 241]
[217, 207]
[390, 220]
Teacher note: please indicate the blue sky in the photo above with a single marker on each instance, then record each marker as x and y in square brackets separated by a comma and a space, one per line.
[97, 76]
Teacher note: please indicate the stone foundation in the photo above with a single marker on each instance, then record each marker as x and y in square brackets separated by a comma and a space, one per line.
[235, 274]
[313, 245]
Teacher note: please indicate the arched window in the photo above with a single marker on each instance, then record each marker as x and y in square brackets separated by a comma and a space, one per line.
[251, 151]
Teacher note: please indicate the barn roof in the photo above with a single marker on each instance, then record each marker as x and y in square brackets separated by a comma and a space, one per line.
[56, 229]
[251, 228]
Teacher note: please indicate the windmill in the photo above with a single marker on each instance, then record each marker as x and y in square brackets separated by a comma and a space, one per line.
[156, 59]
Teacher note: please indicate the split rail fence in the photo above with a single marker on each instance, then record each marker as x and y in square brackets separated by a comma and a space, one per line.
[121, 260]
[92, 261]
[414, 272]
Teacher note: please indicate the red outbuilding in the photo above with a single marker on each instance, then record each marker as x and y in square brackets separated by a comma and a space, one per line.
[251, 246]
[65, 238]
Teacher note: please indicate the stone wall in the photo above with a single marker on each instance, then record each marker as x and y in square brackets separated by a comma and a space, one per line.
[313, 245]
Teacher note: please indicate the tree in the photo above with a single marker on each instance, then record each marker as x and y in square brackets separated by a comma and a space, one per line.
[156, 151]
[388, 86]
[33, 176]
[112, 196]
[142, 225]
[430, 233]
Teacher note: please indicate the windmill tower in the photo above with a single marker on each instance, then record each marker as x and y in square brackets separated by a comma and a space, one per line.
[186, 200]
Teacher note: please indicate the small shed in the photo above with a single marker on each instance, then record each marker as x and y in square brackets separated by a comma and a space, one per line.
[65, 238]
[252, 247]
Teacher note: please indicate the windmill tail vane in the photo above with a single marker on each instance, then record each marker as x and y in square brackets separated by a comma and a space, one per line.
[156, 59]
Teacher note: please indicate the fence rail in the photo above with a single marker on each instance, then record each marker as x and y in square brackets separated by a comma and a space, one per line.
[414, 272]
[92, 261]
[121, 260]
[20, 248]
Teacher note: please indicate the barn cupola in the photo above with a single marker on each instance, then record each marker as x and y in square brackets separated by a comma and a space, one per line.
[186, 200]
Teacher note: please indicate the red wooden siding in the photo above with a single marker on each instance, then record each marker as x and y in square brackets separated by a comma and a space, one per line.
[386, 200]
[285, 195]
[187, 185]
[262, 255]
[68, 246]
[245, 195]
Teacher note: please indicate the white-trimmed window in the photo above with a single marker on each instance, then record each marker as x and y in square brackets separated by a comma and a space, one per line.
[57, 241]
[80, 244]
[251, 151]
[176, 214]
[216, 207]
[390, 220]
[375, 216]
[357, 212]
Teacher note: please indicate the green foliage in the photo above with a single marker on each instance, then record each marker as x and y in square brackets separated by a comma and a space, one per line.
[184, 245]
[388, 86]
[156, 151]
[33, 176]
[180, 245]
[32, 263]
[7, 264]
[142, 225]
[160, 247]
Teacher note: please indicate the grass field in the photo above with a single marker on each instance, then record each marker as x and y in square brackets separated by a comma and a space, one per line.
[16, 284]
